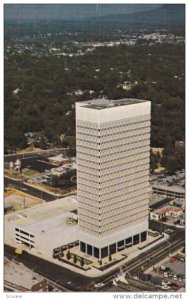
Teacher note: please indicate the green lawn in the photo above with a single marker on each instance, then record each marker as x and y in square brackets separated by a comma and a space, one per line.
[29, 172]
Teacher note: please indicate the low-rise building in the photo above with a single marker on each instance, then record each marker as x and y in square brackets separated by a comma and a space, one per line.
[43, 227]
[57, 171]
[8, 207]
[58, 160]
[179, 144]
[170, 191]
[18, 278]
[166, 211]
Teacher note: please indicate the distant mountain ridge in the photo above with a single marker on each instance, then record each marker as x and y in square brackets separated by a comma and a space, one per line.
[167, 14]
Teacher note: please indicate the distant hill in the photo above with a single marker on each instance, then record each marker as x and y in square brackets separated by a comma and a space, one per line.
[167, 15]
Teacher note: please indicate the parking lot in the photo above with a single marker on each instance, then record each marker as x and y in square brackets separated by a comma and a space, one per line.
[172, 272]
[177, 267]
[39, 164]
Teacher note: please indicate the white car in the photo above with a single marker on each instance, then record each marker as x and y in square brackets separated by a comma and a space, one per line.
[165, 287]
[100, 284]
[166, 282]
[165, 275]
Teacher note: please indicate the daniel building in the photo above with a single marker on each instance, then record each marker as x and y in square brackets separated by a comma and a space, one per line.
[113, 147]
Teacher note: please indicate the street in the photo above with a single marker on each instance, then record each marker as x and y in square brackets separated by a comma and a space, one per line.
[77, 282]
[19, 185]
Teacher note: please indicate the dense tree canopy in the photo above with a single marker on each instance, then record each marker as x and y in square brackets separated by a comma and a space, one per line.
[48, 89]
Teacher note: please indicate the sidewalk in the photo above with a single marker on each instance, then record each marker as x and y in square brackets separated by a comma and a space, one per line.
[38, 187]
[15, 179]
[93, 272]
[35, 151]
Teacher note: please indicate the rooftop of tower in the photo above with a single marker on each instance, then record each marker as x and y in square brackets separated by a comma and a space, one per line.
[105, 103]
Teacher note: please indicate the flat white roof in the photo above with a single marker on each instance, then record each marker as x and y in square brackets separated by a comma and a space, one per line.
[47, 222]
[20, 275]
[105, 103]
[172, 188]
[102, 110]
[58, 158]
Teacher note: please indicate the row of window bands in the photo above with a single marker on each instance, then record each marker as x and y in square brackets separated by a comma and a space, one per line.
[145, 153]
[105, 150]
[119, 132]
[141, 172]
[115, 227]
[122, 170]
[124, 144]
[140, 184]
[126, 201]
[24, 232]
[120, 195]
[102, 155]
[121, 182]
[116, 124]
[112, 140]
[119, 222]
[98, 215]
[110, 167]
[21, 238]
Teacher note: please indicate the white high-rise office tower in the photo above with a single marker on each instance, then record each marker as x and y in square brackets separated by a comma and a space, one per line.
[113, 147]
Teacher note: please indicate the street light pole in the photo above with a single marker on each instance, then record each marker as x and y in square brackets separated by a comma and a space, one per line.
[169, 247]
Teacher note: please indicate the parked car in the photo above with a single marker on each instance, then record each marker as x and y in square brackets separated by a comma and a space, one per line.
[175, 277]
[176, 222]
[165, 287]
[164, 269]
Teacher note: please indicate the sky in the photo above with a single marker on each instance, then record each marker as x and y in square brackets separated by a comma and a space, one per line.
[70, 11]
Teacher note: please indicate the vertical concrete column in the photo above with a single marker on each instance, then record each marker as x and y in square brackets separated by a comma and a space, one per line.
[139, 237]
[99, 253]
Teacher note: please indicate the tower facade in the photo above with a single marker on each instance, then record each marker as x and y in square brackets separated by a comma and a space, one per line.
[113, 149]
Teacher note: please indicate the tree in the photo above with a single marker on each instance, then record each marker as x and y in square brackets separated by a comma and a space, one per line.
[68, 255]
[153, 161]
[82, 262]
[75, 259]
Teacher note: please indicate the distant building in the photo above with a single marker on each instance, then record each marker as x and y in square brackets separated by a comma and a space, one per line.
[58, 171]
[58, 160]
[28, 134]
[179, 144]
[113, 146]
[16, 91]
[166, 211]
[62, 136]
[8, 207]
[169, 191]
